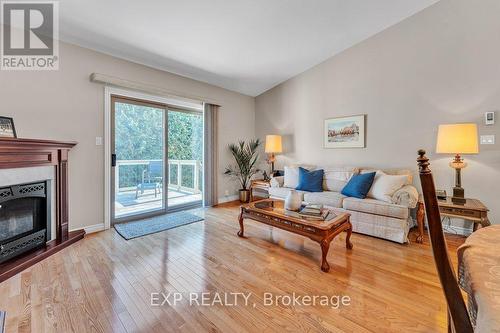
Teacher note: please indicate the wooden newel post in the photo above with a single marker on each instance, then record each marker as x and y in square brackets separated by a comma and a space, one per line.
[459, 321]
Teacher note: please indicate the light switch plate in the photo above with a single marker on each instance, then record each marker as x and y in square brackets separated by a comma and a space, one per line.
[98, 140]
[487, 139]
[489, 118]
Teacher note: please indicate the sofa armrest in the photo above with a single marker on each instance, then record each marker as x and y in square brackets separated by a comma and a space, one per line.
[277, 181]
[406, 196]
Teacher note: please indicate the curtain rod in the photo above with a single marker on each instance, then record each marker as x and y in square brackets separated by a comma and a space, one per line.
[148, 88]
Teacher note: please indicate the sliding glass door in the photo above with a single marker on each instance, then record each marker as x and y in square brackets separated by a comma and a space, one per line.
[185, 158]
[138, 146]
[157, 158]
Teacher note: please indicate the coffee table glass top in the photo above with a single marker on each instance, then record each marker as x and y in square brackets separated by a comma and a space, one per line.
[276, 208]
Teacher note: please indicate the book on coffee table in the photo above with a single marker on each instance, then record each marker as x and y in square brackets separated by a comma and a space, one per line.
[312, 210]
[316, 213]
[320, 217]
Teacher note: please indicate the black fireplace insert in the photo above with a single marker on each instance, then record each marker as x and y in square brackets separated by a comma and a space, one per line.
[24, 218]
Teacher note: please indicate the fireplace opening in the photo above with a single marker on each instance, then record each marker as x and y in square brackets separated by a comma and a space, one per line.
[24, 218]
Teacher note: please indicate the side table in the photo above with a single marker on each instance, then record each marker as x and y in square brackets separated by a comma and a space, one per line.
[473, 210]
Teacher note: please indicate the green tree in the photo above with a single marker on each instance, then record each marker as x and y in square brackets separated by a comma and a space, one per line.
[139, 136]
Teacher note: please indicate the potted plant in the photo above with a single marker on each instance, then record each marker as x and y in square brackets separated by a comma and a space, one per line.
[245, 155]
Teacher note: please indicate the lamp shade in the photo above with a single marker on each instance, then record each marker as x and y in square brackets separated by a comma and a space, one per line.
[457, 139]
[273, 144]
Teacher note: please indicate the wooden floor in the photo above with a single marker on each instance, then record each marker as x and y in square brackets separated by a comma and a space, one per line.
[104, 283]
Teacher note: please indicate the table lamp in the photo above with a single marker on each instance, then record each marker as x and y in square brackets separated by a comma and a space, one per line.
[273, 146]
[457, 139]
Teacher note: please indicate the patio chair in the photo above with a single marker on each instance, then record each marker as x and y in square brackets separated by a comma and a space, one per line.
[152, 178]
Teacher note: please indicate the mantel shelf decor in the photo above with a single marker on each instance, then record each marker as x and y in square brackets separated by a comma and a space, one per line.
[23, 153]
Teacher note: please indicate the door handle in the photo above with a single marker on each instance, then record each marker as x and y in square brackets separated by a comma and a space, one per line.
[113, 160]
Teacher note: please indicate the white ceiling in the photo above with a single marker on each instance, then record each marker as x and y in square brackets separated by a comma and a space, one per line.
[248, 46]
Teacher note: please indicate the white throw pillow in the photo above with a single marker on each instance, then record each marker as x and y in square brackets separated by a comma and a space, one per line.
[336, 178]
[384, 186]
[292, 175]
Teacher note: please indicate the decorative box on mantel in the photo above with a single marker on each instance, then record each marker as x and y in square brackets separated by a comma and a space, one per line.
[27, 153]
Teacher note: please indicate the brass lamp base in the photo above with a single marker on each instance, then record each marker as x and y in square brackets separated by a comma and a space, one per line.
[458, 196]
[271, 160]
[458, 192]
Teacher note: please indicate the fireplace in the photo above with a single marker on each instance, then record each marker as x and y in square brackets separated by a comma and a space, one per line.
[25, 218]
[33, 216]
[19, 154]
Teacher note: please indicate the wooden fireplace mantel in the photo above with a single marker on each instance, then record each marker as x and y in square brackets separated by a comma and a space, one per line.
[23, 153]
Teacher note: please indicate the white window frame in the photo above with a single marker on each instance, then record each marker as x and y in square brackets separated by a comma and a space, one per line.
[108, 91]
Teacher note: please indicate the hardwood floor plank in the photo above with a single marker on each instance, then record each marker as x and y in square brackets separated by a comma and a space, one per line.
[104, 283]
[24, 324]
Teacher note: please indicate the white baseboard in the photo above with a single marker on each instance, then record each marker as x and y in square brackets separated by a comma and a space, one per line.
[227, 198]
[92, 228]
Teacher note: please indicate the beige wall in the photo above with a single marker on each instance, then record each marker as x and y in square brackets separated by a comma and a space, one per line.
[65, 105]
[440, 66]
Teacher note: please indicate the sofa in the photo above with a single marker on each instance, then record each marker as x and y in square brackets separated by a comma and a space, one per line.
[389, 218]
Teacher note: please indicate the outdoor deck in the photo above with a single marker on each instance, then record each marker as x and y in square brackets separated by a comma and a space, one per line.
[127, 203]
[180, 191]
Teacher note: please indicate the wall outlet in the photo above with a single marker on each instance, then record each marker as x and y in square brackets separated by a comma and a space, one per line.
[487, 139]
[226, 193]
[98, 140]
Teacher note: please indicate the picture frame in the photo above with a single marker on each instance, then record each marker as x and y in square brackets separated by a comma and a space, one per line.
[345, 132]
[7, 128]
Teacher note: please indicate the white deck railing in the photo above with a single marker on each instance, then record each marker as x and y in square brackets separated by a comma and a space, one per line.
[176, 187]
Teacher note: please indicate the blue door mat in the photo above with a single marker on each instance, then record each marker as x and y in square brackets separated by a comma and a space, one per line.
[130, 230]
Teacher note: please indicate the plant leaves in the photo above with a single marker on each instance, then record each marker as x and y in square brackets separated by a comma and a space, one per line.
[246, 158]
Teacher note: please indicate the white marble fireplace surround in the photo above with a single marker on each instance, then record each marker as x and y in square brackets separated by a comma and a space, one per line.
[16, 176]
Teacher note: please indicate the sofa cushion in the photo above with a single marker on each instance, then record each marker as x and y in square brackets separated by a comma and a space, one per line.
[359, 185]
[384, 186]
[336, 178]
[394, 172]
[327, 198]
[310, 181]
[282, 192]
[377, 207]
[291, 179]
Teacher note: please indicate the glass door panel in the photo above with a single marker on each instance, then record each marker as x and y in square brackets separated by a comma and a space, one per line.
[185, 156]
[138, 145]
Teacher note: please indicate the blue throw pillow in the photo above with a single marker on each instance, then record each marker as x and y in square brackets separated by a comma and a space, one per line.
[311, 181]
[359, 185]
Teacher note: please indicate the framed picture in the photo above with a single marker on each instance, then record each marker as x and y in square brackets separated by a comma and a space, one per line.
[7, 129]
[345, 132]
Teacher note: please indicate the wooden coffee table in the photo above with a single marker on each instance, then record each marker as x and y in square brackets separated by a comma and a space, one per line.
[272, 212]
